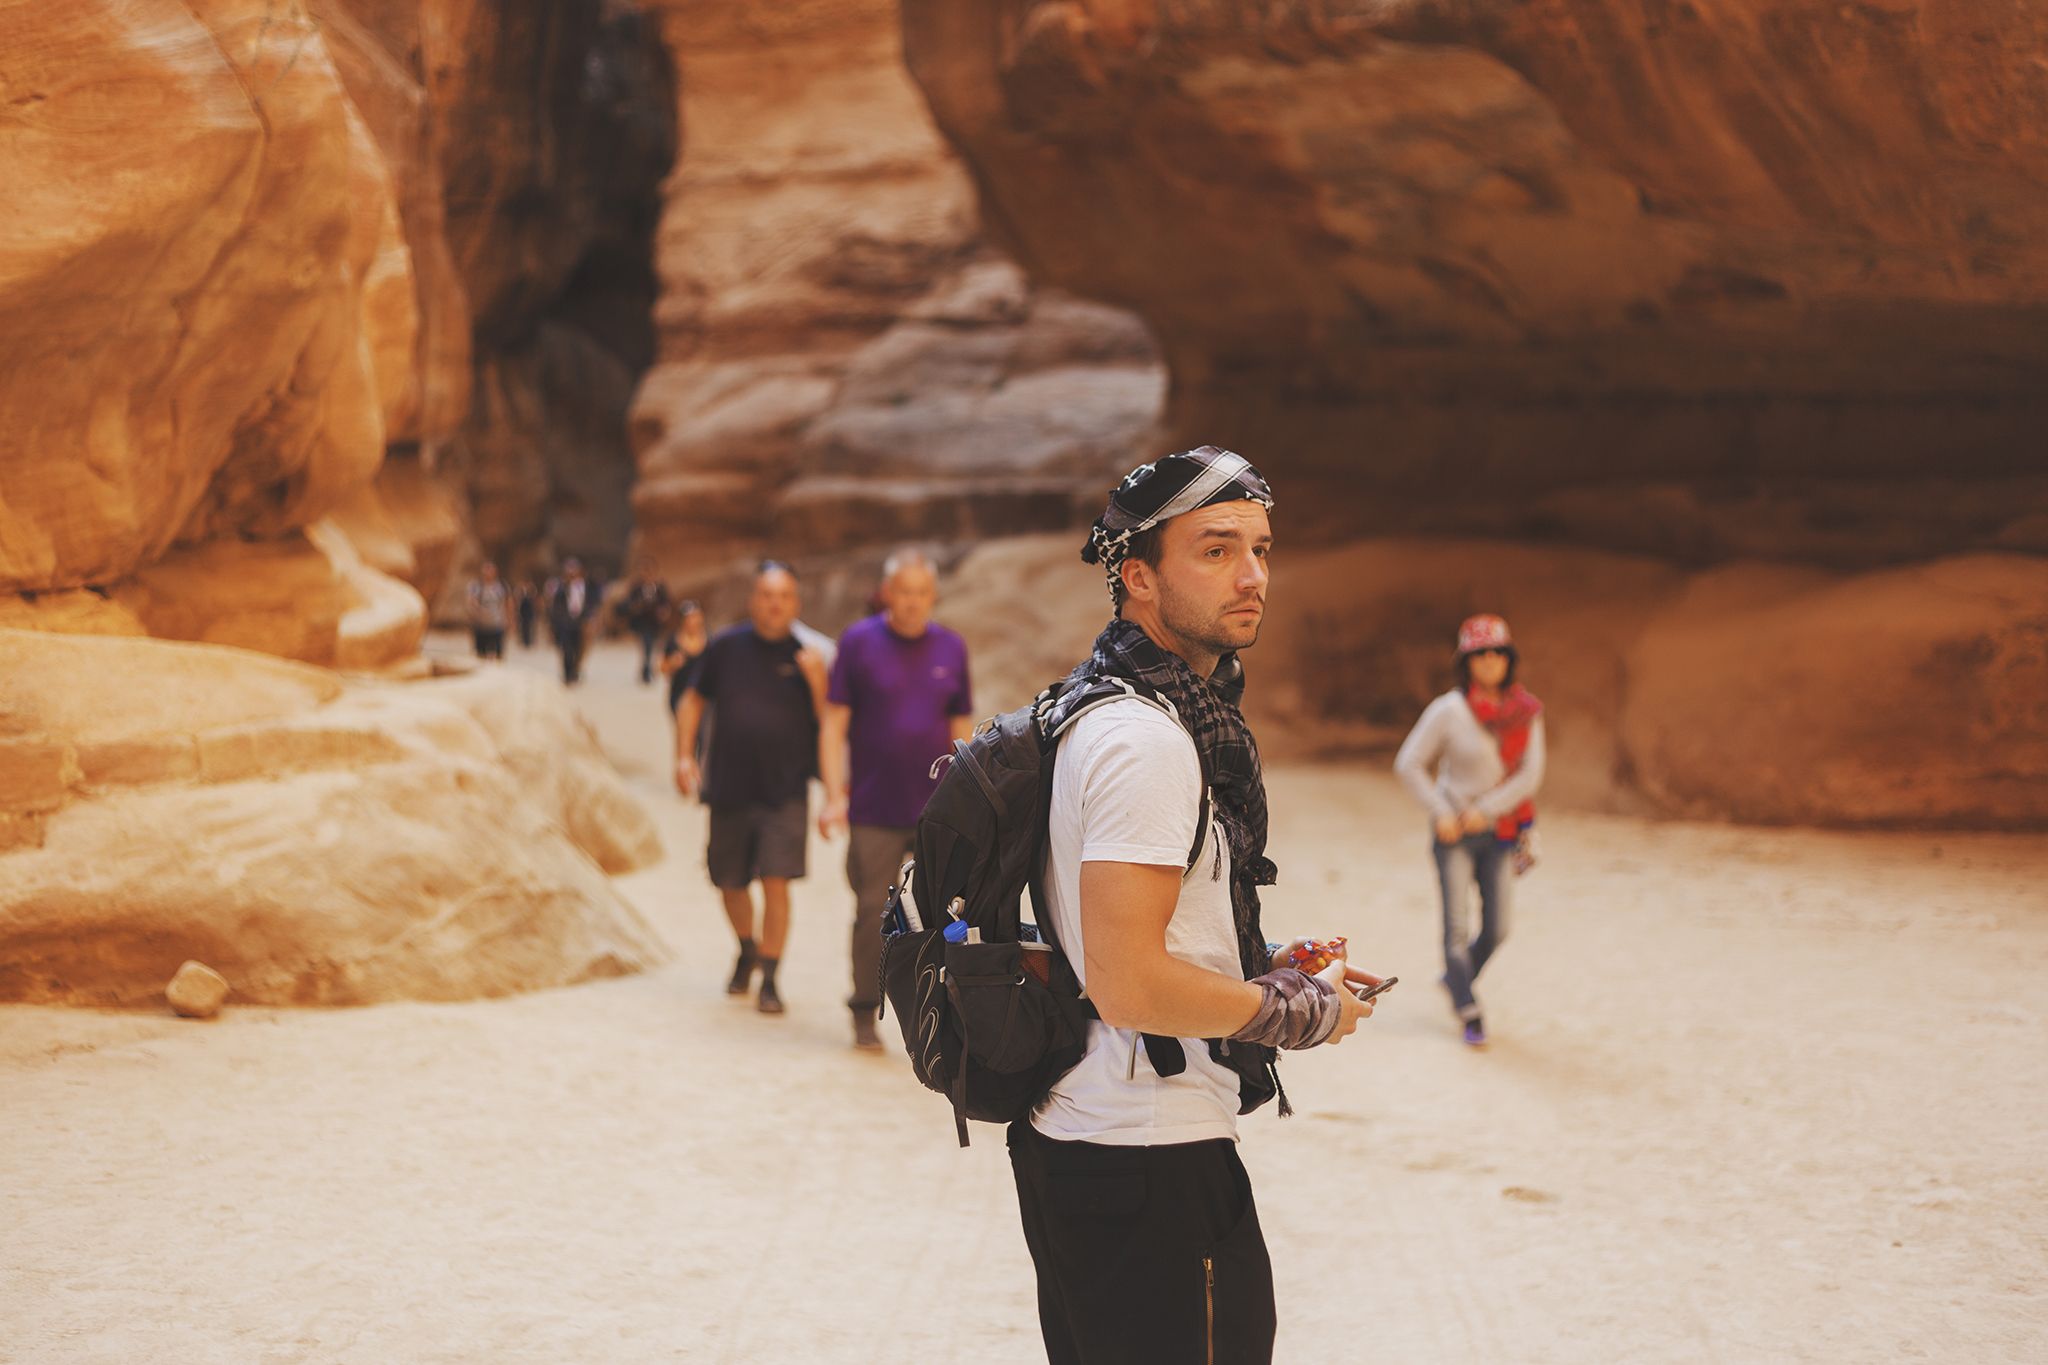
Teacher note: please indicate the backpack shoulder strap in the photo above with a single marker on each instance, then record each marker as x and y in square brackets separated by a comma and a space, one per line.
[1060, 712]
[1057, 714]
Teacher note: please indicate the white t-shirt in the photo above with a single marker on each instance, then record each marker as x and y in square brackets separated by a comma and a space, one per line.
[1127, 788]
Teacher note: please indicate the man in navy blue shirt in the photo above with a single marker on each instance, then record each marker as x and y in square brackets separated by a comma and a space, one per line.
[898, 698]
[765, 690]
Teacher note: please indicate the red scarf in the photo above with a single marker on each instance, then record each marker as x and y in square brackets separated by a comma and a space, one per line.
[1509, 719]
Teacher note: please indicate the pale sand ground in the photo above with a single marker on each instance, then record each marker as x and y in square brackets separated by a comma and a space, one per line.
[1756, 1096]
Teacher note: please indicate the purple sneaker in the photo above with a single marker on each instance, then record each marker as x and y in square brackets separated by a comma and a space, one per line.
[1475, 1033]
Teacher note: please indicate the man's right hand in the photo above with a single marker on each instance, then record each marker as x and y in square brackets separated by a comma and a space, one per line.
[832, 818]
[1449, 829]
[1339, 976]
[688, 779]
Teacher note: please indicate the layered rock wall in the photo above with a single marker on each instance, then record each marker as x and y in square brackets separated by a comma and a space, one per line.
[258, 256]
[260, 247]
[1697, 280]
[843, 361]
[205, 276]
[1760, 692]
[1709, 341]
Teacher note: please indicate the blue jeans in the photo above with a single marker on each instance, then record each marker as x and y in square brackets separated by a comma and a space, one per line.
[1482, 859]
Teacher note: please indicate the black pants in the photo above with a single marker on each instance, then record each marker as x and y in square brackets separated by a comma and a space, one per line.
[571, 644]
[1145, 1255]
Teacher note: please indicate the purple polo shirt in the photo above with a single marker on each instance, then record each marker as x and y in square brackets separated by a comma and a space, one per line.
[904, 694]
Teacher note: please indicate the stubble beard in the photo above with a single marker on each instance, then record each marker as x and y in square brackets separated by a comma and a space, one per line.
[1212, 634]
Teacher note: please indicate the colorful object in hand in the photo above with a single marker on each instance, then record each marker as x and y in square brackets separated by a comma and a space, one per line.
[1316, 954]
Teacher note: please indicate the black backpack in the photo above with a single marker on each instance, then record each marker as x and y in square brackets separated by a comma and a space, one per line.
[995, 1015]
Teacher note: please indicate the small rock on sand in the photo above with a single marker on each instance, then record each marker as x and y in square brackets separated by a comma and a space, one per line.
[196, 991]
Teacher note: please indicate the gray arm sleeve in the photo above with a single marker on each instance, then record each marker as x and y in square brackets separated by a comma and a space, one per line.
[1416, 762]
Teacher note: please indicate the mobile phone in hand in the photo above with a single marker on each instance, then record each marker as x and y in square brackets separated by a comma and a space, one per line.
[1370, 991]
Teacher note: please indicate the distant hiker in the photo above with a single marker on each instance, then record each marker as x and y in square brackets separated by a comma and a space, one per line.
[765, 692]
[644, 609]
[1474, 761]
[1137, 1211]
[681, 652]
[488, 603]
[572, 606]
[898, 698]
[528, 602]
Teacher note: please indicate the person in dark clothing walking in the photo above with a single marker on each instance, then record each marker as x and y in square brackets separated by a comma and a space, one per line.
[765, 690]
[572, 605]
[527, 602]
[898, 698]
[1137, 1211]
[644, 609]
[681, 653]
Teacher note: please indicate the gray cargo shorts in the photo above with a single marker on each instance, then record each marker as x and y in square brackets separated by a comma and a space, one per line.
[750, 842]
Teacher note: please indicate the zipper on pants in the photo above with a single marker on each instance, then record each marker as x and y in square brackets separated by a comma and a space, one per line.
[1209, 1310]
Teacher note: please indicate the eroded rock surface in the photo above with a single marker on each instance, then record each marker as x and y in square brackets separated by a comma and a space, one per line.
[1705, 282]
[192, 302]
[1761, 692]
[845, 361]
[255, 247]
[315, 842]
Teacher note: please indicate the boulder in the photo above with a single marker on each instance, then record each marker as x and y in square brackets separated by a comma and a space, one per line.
[315, 841]
[1916, 695]
[196, 992]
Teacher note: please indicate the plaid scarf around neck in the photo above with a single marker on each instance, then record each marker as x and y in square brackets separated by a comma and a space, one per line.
[1209, 712]
[1229, 760]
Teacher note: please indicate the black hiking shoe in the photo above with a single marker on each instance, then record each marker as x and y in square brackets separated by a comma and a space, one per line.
[743, 970]
[864, 1035]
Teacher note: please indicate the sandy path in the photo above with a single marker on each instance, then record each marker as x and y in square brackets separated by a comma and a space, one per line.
[1756, 1096]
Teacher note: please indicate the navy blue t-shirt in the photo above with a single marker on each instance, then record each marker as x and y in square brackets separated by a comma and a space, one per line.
[764, 737]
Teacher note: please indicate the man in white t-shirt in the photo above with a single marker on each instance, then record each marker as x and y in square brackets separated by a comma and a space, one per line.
[1137, 1211]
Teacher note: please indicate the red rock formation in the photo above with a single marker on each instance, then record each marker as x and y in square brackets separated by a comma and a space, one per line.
[316, 842]
[192, 300]
[252, 244]
[558, 145]
[245, 242]
[843, 361]
[1764, 693]
[1694, 279]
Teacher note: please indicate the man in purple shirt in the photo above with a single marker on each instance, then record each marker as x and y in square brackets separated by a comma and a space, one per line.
[897, 700]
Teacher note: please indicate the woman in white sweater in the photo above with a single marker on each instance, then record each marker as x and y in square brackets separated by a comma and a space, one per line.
[1474, 761]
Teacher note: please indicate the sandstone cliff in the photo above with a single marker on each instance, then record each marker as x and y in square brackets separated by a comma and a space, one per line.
[259, 255]
[258, 248]
[1765, 693]
[844, 362]
[1694, 280]
[205, 283]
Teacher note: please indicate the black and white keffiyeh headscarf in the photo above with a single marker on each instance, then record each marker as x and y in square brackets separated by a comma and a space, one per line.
[1164, 489]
